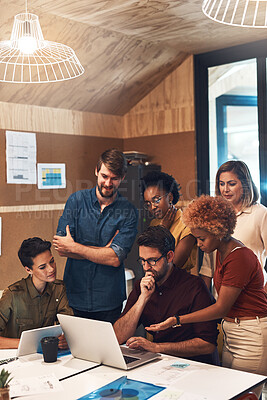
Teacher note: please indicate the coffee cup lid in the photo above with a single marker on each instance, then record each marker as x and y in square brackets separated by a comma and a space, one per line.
[49, 339]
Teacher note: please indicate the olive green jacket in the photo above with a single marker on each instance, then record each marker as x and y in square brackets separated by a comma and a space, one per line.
[22, 307]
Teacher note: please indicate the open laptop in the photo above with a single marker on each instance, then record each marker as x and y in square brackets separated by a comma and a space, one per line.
[96, 341]
[30, 349]
[29, 343]
[30, 340]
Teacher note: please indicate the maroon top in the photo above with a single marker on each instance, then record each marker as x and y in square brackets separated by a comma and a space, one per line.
[241, 269]
[180, 294]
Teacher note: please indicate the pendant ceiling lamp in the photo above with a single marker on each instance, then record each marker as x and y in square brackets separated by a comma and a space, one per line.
[245, 13]
[28, 58]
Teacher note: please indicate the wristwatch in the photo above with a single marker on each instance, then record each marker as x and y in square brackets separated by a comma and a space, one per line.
[178, 323]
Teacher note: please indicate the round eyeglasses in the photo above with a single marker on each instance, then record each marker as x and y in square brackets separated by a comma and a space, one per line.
[155, 201]
[151, 261]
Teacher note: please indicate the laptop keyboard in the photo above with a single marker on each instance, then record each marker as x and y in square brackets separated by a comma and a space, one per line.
[8, 360]
[129, 359]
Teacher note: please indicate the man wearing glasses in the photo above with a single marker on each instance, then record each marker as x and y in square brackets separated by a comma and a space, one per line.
[167, 290]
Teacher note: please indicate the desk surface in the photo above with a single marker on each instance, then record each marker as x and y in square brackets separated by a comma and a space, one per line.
[205, 380]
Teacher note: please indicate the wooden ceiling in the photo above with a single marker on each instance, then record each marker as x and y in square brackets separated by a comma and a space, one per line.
[126, 47]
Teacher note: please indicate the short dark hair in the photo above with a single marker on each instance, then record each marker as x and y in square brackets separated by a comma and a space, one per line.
[157, 237]
[114, 160]
[163, 181]
[30, 248]
[240, 169]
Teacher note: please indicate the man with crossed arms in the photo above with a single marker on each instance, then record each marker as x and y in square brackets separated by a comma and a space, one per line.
[96, 232]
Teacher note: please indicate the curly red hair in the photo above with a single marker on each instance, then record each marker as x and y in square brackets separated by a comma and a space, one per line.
[213, 214]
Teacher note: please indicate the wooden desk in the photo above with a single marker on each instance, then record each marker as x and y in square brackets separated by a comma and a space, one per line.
[215, 383]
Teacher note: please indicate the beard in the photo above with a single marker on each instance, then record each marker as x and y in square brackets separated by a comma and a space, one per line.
[109, 195]
[159, 275]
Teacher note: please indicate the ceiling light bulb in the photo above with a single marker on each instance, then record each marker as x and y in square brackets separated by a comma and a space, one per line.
[28, 58]
[27, 44]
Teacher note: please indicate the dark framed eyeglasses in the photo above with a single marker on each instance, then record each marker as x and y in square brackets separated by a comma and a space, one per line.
[151, 261]
[155, 201]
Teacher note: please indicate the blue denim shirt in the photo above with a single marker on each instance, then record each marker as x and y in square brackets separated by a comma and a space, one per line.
[91, 286]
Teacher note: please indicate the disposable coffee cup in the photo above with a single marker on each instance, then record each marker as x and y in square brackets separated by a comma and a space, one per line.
[50, 347]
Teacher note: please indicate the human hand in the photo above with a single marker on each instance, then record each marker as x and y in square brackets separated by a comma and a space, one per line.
[62, 344]
[147, 284]
[168, 218]
[64, 244]
[140, 343]
[162, 325]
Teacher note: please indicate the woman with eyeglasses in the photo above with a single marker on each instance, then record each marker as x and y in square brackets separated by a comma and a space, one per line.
[161, 193]
[238, 278]
[235, 184]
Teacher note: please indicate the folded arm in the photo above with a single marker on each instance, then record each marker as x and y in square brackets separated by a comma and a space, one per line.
[67, 247]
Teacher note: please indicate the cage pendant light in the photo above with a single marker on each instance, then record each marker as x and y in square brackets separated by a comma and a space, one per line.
[28, 58]
[245, 13]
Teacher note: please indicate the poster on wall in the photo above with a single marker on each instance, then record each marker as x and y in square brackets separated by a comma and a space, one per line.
[21, 157]
[51, 176]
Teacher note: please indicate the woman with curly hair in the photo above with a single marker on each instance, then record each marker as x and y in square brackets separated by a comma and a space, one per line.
[235, 184]
[238, 278]
[161, 193]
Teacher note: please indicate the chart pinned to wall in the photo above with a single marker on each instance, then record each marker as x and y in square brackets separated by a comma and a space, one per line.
[51, 176]
[21, 157]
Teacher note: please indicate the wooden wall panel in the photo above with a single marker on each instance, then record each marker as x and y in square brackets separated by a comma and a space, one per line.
[169, 108]
[23, 117]
[175, 153]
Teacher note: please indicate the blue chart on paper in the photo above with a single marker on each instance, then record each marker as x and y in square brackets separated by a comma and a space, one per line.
[124, 389]
[51, 177]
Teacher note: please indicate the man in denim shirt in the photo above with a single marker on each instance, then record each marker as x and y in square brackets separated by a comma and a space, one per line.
[96, 232]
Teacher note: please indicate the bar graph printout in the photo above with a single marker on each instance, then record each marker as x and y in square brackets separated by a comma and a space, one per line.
[21, 157]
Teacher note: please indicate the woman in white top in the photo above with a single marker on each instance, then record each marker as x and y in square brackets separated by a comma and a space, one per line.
[235, 184]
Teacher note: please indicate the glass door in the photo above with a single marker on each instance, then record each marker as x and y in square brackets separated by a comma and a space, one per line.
[233, 117]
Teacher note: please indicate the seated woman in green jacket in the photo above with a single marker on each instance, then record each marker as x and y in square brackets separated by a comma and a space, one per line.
[35, 301]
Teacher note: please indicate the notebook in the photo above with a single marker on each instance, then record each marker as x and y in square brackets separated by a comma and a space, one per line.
[96, 341]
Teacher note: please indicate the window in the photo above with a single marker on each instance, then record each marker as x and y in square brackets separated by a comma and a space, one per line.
[231, 117]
